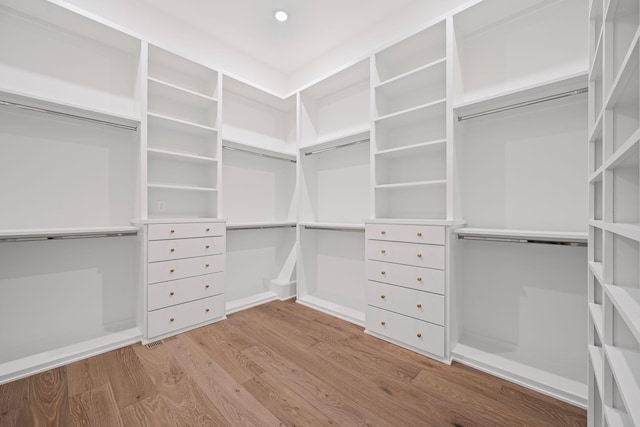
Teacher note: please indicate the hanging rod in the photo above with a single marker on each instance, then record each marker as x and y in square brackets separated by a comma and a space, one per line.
[519, 240]
[260, 227]
[319, 227]
[69, 115]
[525, 104]
[255, 153]
[67, 237]
[322, 150]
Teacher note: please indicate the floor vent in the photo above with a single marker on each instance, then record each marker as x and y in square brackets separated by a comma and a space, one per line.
[154, 344]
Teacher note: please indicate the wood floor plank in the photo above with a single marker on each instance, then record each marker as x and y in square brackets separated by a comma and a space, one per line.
[14, 395]
[238, 406]
[189, 405]
[95, 408]
[86, 375]
[292, 409]
[129, 380]
[152, 411]
[48, 399]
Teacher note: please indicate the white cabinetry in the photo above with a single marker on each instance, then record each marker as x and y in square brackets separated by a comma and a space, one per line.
[185, 276]
[614, 219]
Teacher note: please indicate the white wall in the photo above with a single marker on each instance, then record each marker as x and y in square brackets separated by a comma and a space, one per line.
[160, 28]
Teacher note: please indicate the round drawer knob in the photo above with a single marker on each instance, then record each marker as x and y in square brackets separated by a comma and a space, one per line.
[206, 310]
[171, 294]
[419, 335]
[172, 250]
[172, 271]
[382, 297]
[419, 234]
[419, 255]
[206, 247]
[419, 279]
[383, 232]
[206, 286]
[419, 306]
[383, 323]
[206, 265]
[383, 251]
[172, 231]
[383, 273]
[171, 319]
[208, 230]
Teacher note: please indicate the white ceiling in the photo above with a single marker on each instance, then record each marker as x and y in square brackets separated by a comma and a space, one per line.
[314, 26]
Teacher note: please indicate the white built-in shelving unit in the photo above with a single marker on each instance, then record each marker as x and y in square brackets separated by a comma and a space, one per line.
[520, 112]
[182, 137]
[259, 197]
[333, 176]
[614, 219]
[69, 119]
[410, 107]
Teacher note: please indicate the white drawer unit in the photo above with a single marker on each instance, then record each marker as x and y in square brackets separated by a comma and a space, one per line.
[163, 250]
[184, 281]
[430, 256]
[171, 319]
[419, 278]
[417, 304]
[407, 301]
[406, 330]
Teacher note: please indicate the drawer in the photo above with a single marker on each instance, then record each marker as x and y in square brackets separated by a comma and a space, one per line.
[175, 292]
[163, 321]
[430, 256]
[181, 268]
[413, 332]
[419, 278]
[430, 234]
[186, 230]
[416, 304]
[162, 250]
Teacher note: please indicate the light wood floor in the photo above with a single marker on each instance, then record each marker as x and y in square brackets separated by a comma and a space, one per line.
[277, 364]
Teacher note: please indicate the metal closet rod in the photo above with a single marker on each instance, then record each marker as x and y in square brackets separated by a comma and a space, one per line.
[322, 150]
[255, 153]
[525, 103]
[318, 227]
[69, 115]
[262, 227]
[69, 237]
[517, 240]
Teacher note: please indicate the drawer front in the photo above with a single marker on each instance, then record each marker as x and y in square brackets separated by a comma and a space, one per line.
[416, 304]
[162, 250]
[179, 269]
[187, 230]
[430, 256]
[419, 278]
[174, 292]
[163, 321]
[433, 235]
[416, 333]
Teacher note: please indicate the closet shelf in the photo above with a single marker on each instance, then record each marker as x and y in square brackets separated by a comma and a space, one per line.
[403, 151]
[411, 184]
[532, 236]
[615, 417]
[183, 125]
[627, 302]
[626, 155]
[67, 233]
[174, 220]
[333, 226]
[37, 104]
[546, 88]
[402, 82]
[411, 115]
[628, 67]
[597, 126]
[595, 70]
[254, 148]
[179, 155]
[596, 269]
[180, 94]
[260, 225]
[596, 315]
[597, 175]
[630, 231]
[625, 365]
[181, 187]
[340, 138]
[597, 363]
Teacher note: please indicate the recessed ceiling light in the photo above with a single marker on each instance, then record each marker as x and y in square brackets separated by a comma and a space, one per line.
[281, 15]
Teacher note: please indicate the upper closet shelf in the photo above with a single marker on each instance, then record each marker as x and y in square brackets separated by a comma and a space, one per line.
[11, 99]
[412, 184]
[411, 115]
[425, 75]
[66, 233]
[414, 148]
[180, 94]
[528, 95]
[161, 152]
[182, 125]
[236, 145]
[352, 137]
[523, 236]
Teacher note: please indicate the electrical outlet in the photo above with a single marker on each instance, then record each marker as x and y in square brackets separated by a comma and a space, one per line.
[162, 206]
